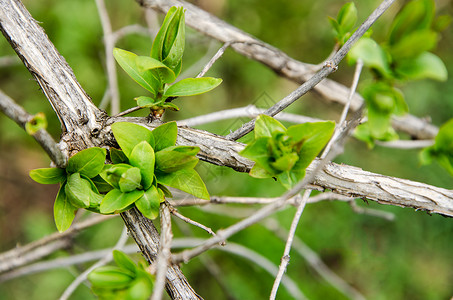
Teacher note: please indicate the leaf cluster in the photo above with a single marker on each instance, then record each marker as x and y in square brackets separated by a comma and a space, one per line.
[442, 150]
[148, 162]
[285, 153]
[156, 72]
[125, 281]
[405, 56]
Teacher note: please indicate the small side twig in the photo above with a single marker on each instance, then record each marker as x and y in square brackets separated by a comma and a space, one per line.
[163, 256]
[16, 113]
[372, 212]
[213, 59]
[176, 213]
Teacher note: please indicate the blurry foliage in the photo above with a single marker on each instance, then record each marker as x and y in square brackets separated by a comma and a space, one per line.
[411, 255]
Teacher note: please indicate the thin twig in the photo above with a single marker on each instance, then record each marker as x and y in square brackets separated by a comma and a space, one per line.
[16, 113]
[406, 144]
[213, 59]
[328, 68]
[250, 255]
[176, 213]
[82, 277]
[163, 256]
[250, 111]
[20, 256]
[128, 111]
[289, 241]
[372, 212]
[315, 261]
[109, 43]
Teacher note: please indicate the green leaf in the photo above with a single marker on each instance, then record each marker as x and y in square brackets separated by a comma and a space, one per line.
[415, 15]
[265, 126]
[290, 178]
[116, 201]
[117, 156]
[149, 203]
[169, 105]
[426, 65]
[123, 261]
[444, 138]
[112, 173]
[163, 192]
[128, 135]
[186, 180]
[127, 61]
[101, 185]
[258, 152]
[165, 135]
[413, 44]
[110, 277]
[142, 157]
[314, 136]
[130, 180]
[78, 191]
[144, 101]
[88, 162]
[48, 175]
[170, 160]
[347, 16]
[441, 23]
[192, 86]
[140, 289]
[371, 54]
[168, 45]
[36, 123]
[63, 210]
[286, 162]
[145, 63]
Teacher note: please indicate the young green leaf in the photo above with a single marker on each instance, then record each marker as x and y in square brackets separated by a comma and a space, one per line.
[112, 173]
[144, 101]
[127, 61]
[88, 162]
[116, 201]
[149, 203]
[165, 135]
[289, 178]
[110, 277]
[186, 180]
[78, 191]
[118, 156]
[142, 157]
[101, 185]
[285, 162]
[426, 65]
[140, 289]
[145, 63]
[63, 210]
[123, 261]
[347, 16]
[258, 152]
[266, 125]
[130, 180]
[48, 175]
[170, 160]
[314, 136]
[128, 135]
[192, 86]
[414, 44]
[36, 123]
[371, 54]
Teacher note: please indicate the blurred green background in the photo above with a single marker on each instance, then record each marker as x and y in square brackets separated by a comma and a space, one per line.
[409, 258]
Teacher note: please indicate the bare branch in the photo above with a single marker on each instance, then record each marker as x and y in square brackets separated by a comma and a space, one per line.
[15, 112]
[250, 111]
[315, 262]
[248, 254]
[163, 257]
[175, 212]
[20, 256]
[109, 43]
[213, 60]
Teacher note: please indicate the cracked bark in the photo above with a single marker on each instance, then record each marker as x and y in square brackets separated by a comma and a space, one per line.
[81, 120]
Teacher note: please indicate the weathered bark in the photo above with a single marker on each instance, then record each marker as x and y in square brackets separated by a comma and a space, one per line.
[81, 120]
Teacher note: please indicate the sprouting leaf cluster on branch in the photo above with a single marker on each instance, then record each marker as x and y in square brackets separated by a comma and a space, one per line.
[148, 162]
[405, 56]
[157, 71]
